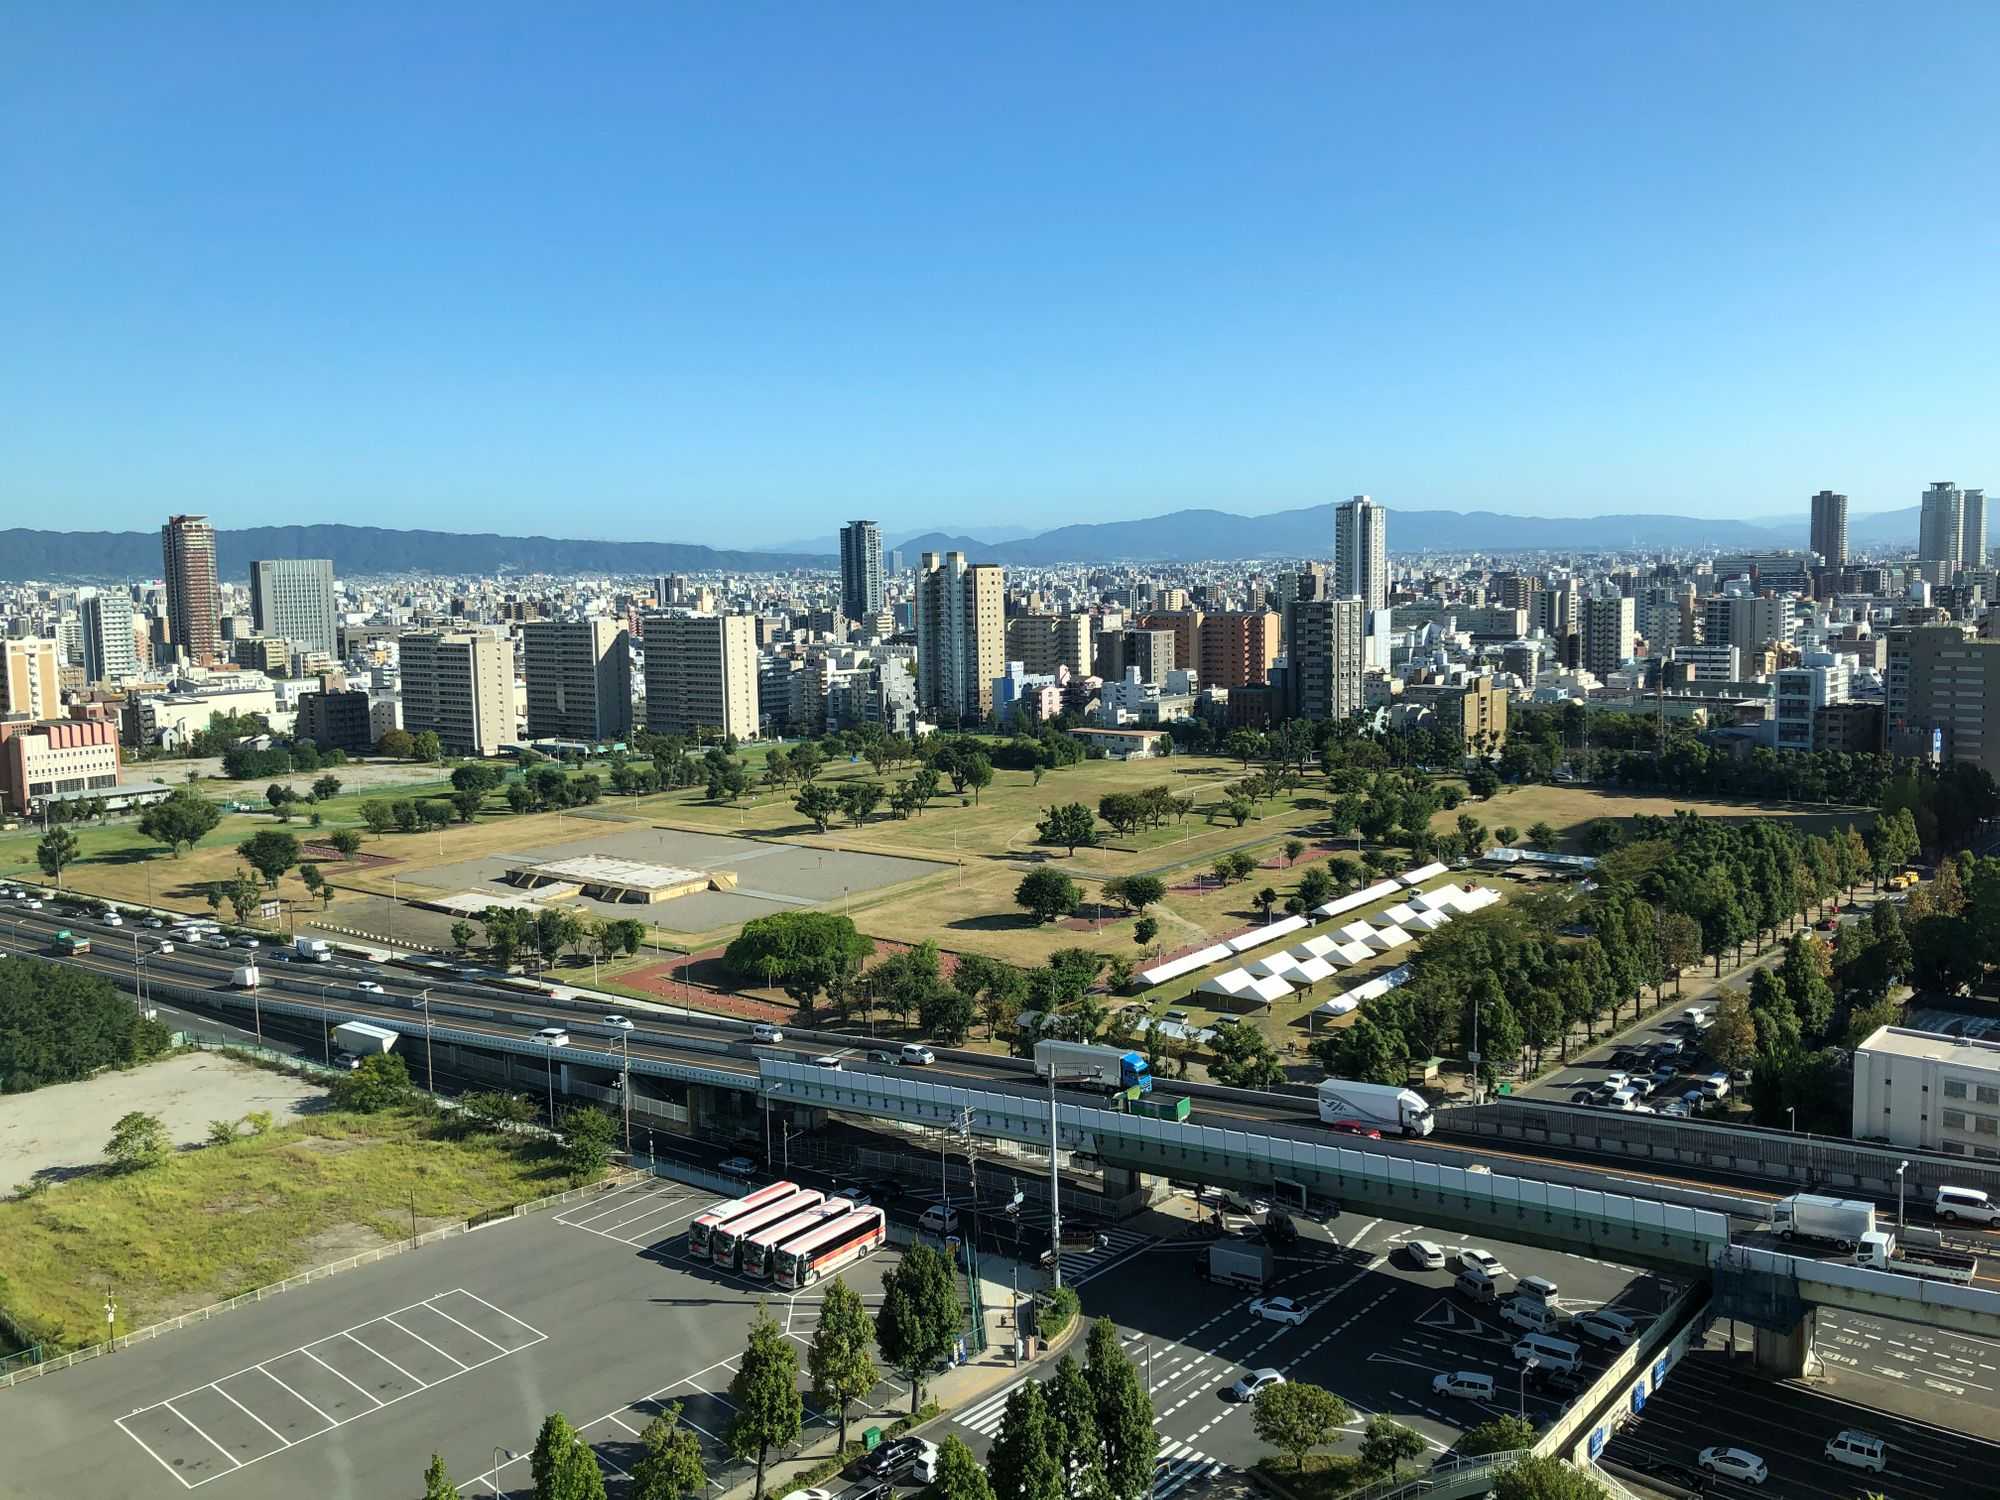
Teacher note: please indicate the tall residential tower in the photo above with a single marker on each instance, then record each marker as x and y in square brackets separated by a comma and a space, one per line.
[1361, 552]
[961, 635]
[1829, 528]
[194, 604]
[861, 570]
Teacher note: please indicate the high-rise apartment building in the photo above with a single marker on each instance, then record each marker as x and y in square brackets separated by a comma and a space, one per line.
[291, 598]
[1607, 630]
[1941, 527]
[1042, 643]
[194, 602]
[1361, 552]
[961, 635]
[1829, 528]
[459, 685]
[701, 674]
[110, 645]
[1972, 529]
[30, 679]
[1237, 649]
[861, 570]
[1323, 658]
[1943, 691]
[1186, 627]
[578, 675]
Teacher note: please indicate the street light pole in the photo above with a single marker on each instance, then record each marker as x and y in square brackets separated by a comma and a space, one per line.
[625, 1088]
[430, 1074]
[1901, 1168]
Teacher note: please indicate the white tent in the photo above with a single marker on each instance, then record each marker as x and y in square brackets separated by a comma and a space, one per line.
[1230, 982]
[1353, 953]
[1280, 962]
[1386, 939]
[1347, 903]
[1428, 921]
[1442, 899]
[1374, 989]
[1187, 963]
[1316, 946]
[1422, 873]
[1312, 971]
[1399, 915]
[1339, 1005]
[1257, 937]
[1269, 989]
[1356, 932]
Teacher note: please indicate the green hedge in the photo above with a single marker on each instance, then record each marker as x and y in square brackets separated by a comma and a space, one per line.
[827, 1467]
[1058, 1308]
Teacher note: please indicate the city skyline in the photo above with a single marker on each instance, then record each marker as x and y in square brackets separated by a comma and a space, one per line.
[648, 299]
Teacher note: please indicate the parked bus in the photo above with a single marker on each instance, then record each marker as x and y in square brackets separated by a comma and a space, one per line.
[704, 1227]
[725, 1244]
[757, 1249]
[828, 1248]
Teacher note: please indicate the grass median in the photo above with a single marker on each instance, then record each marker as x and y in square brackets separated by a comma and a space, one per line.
[215, 1221]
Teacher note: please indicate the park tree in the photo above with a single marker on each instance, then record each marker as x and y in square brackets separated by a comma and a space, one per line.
[1046, 894]
[325, 788]
[426, 746]
[55, 851]
[562, 1465]
[1145, 930]
[858, 799]
[1126, 1436]
[395, 744]
[818, 803]
[1546, 1478]
[765, 1392]
[462, 934]
[437, 1480]
[1022, 1464]
[1542, 834]
[807, 953]
[1296, 1418]
[919, 1318]
[345, 842]
[617, 935]
[975, 771]
[945, 1014]
[588, 1134]
[838, 1360]
[138, 1141]
[1245, 1059]
[671, 1468]
[181, 821]
[379, 818]
[1387, 1444]
[1732, 1040]
[1069, 824]
[960, 1475]
[1365, 1052]
[314, 882]
[381, 1082]
[1501, 1434]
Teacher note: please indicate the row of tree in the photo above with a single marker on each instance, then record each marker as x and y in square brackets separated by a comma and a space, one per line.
[59, 1024]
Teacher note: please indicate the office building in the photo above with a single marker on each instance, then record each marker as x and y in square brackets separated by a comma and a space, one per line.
[1607, 631]
[1972, 529]
[1801, 693]
[459, 685]
[701, 674]
[1941, 693]
[1749, 622]
[30, 679]
[1711, 663]
[110, 644]
[1323, 658]
[337, 719]
[861, 570]
[67, 759]
[961, 636]
[1043, 643]
[1237, 649]
[194, 602]
[1473, 711]
[1923, 1091]
[291, 599]
[578, 675]
[1361, 552]
[1941, 528]
[1829, 528]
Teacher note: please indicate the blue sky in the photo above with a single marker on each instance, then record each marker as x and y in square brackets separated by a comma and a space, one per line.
[732, 273]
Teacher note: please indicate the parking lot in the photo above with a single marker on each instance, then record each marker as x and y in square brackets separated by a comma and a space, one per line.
[1664, 1065]
[345, 1388]
[1378, 1331]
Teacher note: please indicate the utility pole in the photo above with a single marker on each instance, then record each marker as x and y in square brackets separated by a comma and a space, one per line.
[430, 1075]
[625, 1088]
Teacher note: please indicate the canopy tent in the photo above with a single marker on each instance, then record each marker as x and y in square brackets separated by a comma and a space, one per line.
[1374, 989]
[1427, 921]
[1312, 971]
[1422, 873]
[1339, 1005]
[1257, 937]
[1269, 989]
[1356, 932]
[1442, 899]
[1230, 982]
[1187, 963]
[1356, 899]
[1280, 962]
[1316, 946]
[1353, 953]
[1399, 915]
[1388, 938]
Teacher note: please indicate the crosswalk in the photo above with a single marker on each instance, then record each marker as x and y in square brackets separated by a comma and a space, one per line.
[1079, 1265]
[984, 1417]
[1179, 1466]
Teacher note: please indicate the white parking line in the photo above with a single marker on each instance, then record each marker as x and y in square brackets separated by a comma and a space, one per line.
[468, 1328]
[379, 1402]
[202, 1435]
[283, 1387]
[421, 1384]
[390, 1320]
[253, 1416]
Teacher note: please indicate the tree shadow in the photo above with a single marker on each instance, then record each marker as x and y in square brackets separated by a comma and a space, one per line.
[996, 922]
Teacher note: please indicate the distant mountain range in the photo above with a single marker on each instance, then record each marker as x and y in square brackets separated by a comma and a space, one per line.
[1181, 536]
[369, 549]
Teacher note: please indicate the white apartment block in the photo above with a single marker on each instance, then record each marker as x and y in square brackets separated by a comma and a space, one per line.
[701, 674]
[579, 679]
[1927, 1092]
[1361, 552]
[460, 686]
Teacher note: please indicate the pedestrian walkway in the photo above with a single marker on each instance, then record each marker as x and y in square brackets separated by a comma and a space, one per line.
[1178, 1465]
[1079, 1265]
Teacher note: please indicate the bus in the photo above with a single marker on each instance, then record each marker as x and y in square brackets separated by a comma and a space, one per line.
[704, 1226]
[726, 1242]
[828, 1248]
[758, 1247]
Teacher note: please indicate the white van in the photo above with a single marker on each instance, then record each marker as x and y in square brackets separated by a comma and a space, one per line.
[1479, 1288]
[915, 1055]
[1468, 1385]
[1553, 1353]
[938, 1219]
[1540, 1288]
[1969, 1204]
[1606, 1326]
[1858, 1450]
[1526, 1313]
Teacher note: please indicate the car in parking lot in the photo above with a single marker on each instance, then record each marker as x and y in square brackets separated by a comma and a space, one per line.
[1480, 1262]
[1355, 1127]
[736, 1166]
[1428, 1255]
[1557, 1382]
[1467, 1385]
[1606, 1326]
[1254, 1381]
[1584, 1096]
[810, 1494]
[1280, 1310]
[857, 1196]
[1715, 1086]
[1734, 1463]
[1858, 1450]
[619, 1023]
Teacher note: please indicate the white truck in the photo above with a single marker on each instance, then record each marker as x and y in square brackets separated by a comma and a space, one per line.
[359, 1039]
[245, 978]
[1082, 1065]
[313, 950]
[1839, 1222]
[1879, 1250]
[1385, 1106]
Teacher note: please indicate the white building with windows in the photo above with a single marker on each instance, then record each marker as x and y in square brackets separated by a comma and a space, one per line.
[1928, 1092]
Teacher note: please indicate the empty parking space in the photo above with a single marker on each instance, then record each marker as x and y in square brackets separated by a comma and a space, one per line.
[210, 1431]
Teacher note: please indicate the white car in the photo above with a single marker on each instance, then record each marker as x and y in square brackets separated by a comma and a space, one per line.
[810, 1494]
[828, 1061]
[1280, 1310]
[112, 919]
[1734, 1463]
[620, 1023]
[764, 1031]
[1428, 1255]
[163, 945]
[857, 1196]
[369, 987]
[1481, 1263]
[152, 922]
[248, 944]
[1247, 1388]
[33, 904]
[553, 1036]
[916, 1055]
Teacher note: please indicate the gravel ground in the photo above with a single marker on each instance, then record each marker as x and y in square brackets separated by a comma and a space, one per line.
[61, 1129]
[354, 776]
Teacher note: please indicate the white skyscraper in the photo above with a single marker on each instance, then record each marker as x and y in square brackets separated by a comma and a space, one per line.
[1941, 527]
[1972, 529]
[1361, 552]
[110, 649]
[292, 598]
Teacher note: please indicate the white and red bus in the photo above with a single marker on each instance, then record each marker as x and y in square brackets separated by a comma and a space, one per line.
[704, 1227]
[757, 1250]
[725, 1243]
[823, 1251]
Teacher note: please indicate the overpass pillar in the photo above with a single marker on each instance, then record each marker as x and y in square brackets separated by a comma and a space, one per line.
[1786, 1355]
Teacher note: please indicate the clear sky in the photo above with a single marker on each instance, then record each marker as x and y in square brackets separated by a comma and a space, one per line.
[732, 272]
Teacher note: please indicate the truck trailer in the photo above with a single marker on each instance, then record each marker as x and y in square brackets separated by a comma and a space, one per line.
[313, 950]
[357, 1039]
[1839, 1222]
[244, 978]
[1881, 1251]
[1239, 1263]
[1382, 1105]
[1085, 1066]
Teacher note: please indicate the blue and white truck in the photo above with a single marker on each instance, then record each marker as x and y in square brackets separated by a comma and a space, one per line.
[1082, 1065]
